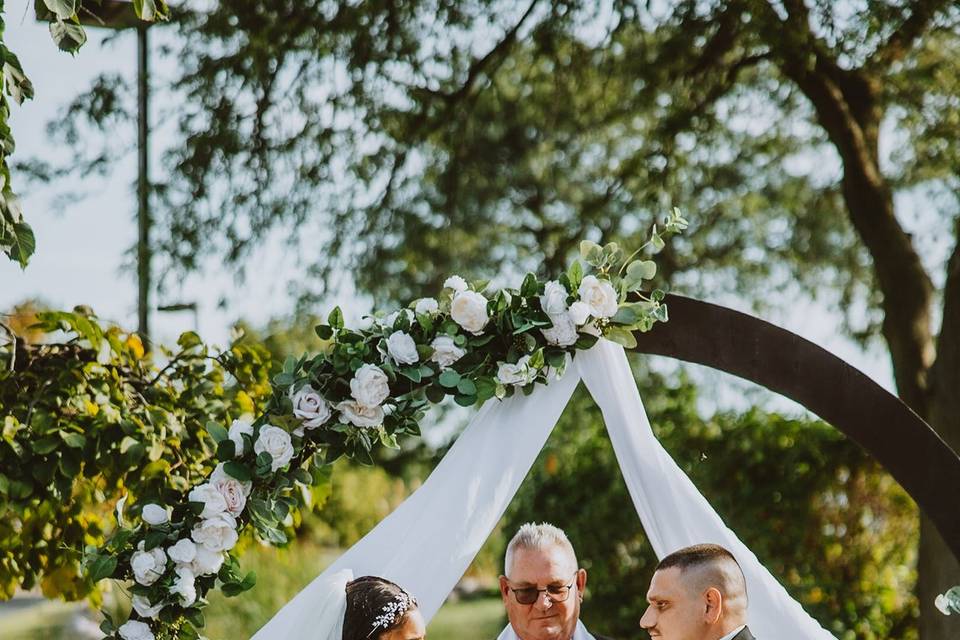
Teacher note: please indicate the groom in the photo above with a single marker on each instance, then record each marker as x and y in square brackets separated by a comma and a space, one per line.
[697, 593]
[543, 587]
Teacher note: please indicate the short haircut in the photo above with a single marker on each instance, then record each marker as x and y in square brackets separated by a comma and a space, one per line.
[537, 536]
[714, 564]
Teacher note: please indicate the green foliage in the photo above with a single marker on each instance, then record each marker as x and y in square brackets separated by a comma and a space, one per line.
[87, 418]
[828, 523]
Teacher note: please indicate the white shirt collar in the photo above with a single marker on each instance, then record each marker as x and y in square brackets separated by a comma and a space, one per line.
[733, 633]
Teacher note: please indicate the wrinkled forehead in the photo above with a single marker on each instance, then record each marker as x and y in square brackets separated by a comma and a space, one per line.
[552, 563]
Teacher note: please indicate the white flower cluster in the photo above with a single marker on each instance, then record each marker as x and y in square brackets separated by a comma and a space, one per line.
[597, 299]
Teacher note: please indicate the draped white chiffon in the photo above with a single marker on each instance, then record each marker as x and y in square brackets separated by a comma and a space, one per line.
[427, 543]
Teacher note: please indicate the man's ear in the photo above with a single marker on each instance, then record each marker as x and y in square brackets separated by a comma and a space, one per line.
[504, 588]
[581, 580]
[713, 605]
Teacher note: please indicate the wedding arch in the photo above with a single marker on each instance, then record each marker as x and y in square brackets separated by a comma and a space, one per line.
[518, 356]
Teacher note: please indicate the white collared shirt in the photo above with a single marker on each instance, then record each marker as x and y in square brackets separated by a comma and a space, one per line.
[733, 634]
[580, 633]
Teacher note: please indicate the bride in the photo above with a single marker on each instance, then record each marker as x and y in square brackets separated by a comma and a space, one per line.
[377, 609]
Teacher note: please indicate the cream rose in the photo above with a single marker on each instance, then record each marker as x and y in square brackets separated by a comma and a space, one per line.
[148, 566]
[469, 310]
[184, 586]
[144, 609]
[183, 552]
[563, 333]
[277, 443]
[518, 374]
[210, 496]
[402, 348]
[599, 295]
[359, 415]
[445, 351]
[220, 475]
[206, 561]
[579, 313]
[369, 386]
[218, 533]
[456, 283]
[426, 306]
[310, 407]
[135, 630]
[154, 514]
[236, 431]
[554, 298]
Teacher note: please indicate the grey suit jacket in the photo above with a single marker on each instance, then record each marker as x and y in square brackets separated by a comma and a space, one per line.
[744, 635]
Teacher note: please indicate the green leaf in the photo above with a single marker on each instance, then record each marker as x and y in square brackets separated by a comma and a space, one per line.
[226, 450]
[324, 331]
[103, 567]
[529, 286]
[74, 440]
[449, 378]
[642, 269]
[411, 373]
[238, 471]
[188, 340]
[467, 387]
[589, 251]
[621, 337]
[335, 319]
[217, 431]
[45, 445]
[154, 539]
[575, 275]
[67, 36]
[465, 400]
[63, 9]
[24, 243]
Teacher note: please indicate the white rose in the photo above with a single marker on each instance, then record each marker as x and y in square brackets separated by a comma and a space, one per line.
[369, 386]
[309, 407]
[277, 443]
[359, 415]
[554, 298]
[183, 552]
[143, 607]
[469, 310]
[402, 348]
[579, 312]
[456, 283]
[219, 476]
[218, 533]
[135, 630]
[599, 295]
[234, 493]
[237, 429]
[154, 514]
[942, 605]
[206, 561]
[184, 586]
[563, 333]
[445, 351]
[426, 306]
[518, 374]
[210, 496]
[148, 566]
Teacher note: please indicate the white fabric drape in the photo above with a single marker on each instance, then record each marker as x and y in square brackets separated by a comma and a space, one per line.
[427, 543]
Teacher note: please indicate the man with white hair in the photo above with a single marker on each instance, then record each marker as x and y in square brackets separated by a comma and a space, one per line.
[697, 593]
[543, 587]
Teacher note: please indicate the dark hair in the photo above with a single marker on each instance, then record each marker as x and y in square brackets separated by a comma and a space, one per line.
[696, 556]
[368, 598]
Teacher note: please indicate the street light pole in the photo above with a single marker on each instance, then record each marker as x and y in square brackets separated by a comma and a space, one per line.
[143, 190]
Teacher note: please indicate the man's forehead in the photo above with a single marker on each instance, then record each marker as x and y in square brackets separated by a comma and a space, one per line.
[546, 564]
[665, 585]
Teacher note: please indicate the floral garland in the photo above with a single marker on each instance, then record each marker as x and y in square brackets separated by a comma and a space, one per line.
[366, 387]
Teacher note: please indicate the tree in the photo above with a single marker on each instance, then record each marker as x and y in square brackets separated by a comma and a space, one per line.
[418, 139]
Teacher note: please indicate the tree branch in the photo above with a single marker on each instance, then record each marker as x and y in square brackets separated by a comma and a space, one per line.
[901, 40]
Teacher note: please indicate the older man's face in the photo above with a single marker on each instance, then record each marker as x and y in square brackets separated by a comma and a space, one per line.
[551, 570]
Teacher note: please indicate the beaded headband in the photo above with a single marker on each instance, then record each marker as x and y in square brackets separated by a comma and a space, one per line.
[391, 612]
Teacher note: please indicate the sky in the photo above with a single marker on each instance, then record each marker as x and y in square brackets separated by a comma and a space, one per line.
[82, 247]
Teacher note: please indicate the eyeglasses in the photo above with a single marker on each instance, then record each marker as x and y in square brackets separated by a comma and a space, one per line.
[529, 595]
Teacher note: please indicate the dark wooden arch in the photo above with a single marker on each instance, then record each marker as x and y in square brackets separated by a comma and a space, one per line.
[756, 350]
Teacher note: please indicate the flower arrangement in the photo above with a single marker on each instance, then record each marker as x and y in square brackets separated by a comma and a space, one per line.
[366, 388]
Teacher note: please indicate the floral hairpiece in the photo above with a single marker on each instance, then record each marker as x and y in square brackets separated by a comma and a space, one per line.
[391, 612]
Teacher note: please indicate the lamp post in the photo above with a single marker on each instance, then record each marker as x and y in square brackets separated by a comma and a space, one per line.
[119, 14]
